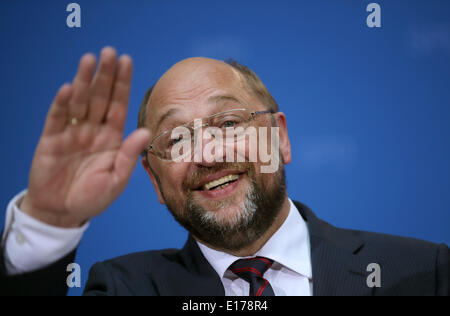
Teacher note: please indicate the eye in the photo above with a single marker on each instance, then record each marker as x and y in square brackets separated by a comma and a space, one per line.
[176, 140]
[229, 124]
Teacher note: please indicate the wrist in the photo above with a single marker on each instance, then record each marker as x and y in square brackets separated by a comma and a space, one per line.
[47, 217]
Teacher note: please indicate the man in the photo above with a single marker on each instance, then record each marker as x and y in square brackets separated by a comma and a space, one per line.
[246, 236]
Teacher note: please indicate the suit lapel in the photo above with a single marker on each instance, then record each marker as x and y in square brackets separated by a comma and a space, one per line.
[194, 277]
[337, 264]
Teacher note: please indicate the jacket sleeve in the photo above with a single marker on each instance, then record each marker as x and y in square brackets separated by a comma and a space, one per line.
[48, 281]
[443, 271]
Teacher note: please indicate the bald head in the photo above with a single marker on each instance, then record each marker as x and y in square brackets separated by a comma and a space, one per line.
[191, 80]
[192, 73]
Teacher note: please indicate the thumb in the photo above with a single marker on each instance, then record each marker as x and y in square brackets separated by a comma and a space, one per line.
[128, 154]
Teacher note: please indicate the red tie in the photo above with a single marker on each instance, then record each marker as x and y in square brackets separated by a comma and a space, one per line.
[252, 270]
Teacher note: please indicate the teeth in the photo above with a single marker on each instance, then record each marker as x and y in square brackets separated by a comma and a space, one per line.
[220, 181]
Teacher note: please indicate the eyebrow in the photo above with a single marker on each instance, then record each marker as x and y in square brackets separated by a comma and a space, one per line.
[166, 115]
[214, 99]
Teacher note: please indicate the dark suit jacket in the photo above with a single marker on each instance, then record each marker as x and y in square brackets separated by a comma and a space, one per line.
[339, 265]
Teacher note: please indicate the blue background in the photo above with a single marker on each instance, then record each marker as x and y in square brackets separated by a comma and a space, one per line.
[368, 109]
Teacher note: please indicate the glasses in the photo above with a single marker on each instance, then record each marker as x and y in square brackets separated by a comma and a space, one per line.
[229, 125]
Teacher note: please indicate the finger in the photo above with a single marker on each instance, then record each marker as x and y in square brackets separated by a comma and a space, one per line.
[78, 104]
[128, 154]
[117, 111]
[102, 85]
[57, 115]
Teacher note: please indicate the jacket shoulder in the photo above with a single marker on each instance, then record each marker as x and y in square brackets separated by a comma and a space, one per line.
[143, 260]
[388, 242]
[129, 274]
[379, 243]
[408, 266]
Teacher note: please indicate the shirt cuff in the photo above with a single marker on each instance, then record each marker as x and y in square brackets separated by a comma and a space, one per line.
[30, 244]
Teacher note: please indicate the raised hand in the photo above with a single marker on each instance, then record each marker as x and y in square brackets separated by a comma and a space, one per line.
[81, 163]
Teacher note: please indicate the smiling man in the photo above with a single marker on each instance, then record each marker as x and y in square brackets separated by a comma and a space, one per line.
[229, 206]
[247, 237]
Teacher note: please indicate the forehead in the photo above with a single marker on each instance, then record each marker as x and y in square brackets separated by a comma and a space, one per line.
[186, 87]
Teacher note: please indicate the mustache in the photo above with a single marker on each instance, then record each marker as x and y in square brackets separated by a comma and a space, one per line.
[198, 175]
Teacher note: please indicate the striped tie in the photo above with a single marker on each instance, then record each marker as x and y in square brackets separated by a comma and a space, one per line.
[252, 270]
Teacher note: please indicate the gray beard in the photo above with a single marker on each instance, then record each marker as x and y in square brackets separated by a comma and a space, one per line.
[241, 218]
[257, 214]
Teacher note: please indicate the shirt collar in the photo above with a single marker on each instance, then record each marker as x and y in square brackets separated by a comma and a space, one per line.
[288, 246]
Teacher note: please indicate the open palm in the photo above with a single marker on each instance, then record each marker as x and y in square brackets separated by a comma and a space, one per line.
[81, 163]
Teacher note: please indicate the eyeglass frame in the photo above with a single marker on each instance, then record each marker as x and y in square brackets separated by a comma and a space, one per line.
[149, 148]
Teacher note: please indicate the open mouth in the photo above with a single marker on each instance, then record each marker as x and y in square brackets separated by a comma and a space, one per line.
[220, 183]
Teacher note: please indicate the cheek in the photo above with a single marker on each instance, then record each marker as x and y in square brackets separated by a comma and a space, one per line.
[259, 145]
[172, 177]
[267, 180]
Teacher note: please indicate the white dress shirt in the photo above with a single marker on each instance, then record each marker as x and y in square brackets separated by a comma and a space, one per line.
[30, 244]
[289, 247]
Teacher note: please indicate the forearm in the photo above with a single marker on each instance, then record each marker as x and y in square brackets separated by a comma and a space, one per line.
[34, 255]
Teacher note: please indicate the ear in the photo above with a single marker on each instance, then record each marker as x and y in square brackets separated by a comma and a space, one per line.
[153, 179]
[285, 144]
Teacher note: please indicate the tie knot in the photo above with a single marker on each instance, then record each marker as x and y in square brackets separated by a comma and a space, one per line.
[251, 268]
